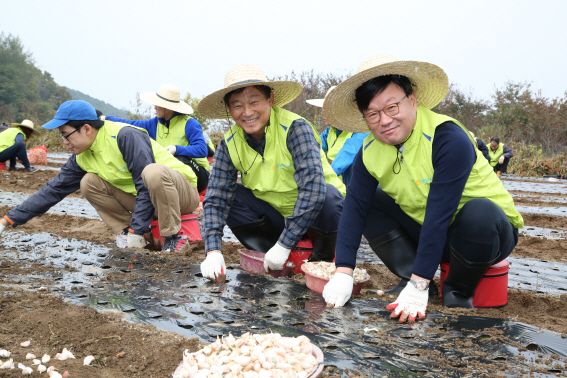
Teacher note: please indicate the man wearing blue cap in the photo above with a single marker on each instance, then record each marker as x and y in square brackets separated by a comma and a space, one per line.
[124, 175]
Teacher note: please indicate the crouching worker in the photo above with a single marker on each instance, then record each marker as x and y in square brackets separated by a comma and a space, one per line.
[500, 156]
[288, 189]
[438, 198]
[174, 129]
[124, 175]
[12, 144]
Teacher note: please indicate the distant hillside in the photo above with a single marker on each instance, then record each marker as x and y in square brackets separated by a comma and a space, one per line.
[104, 107]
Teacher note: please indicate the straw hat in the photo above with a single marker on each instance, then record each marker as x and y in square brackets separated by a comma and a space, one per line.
[340, 109]
[245, 75]
[27, 124]
[167, 97]
[319, 101]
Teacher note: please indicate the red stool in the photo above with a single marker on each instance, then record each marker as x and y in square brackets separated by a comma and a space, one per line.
[189, 228]
[210, 159]
[492, 291]
[2, 165]
[202, 194]
[301, 252]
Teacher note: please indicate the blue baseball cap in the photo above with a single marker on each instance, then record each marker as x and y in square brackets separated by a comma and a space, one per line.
[74, 110]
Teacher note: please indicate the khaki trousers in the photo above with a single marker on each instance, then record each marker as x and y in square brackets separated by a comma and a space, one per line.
[170, 192]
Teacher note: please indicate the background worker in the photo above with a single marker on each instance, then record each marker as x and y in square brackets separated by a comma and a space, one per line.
[288, 188]
[125, 176]
[438, 198]
[481, 146]
[12, 144]
[500, 156]
[210, 146]
[174, 129]
[340, 146]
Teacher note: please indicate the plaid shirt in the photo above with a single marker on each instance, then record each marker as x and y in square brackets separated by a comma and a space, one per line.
[308, 175]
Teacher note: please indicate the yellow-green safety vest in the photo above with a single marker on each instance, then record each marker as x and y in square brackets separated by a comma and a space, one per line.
[175, 136]
[495, 155]
[105, 159]
[410, 187]
[334, 143]
[210, 144]
[8, 137]
[271, 177]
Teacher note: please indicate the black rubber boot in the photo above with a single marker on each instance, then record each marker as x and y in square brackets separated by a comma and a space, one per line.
[397, 251]
[258, 236]
[463, 278]
[324, 244]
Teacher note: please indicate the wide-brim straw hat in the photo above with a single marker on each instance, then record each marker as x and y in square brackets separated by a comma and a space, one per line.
[430, 86]
[168, 97]
[27, 124]
[241, 76]
[320, 101]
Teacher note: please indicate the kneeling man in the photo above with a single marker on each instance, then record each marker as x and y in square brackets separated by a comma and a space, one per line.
[438, 198]
[125, 175]
[288, 188]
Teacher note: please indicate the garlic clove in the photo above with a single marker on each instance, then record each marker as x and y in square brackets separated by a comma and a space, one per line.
[25, 344]
[30, 356]
[88, 360]
[4, 353]
[36, 362]
[45, 359]
[41, 368]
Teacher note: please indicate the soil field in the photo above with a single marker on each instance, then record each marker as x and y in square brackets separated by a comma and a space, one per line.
[124, 349]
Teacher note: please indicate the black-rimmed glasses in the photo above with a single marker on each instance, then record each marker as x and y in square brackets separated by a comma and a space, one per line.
[66, 137]
[390, 110]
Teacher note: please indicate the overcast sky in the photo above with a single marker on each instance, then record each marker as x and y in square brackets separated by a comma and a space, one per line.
[111, 49]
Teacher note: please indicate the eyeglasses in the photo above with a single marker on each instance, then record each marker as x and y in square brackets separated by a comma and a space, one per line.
[66, 137]
[390, 110]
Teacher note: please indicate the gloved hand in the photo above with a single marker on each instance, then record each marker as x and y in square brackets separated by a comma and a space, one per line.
[135, 241]
[171, 149]
[501, 160]
[276, 257]
[411, 304]
[338, 290]
[2, 227]
[213, 267]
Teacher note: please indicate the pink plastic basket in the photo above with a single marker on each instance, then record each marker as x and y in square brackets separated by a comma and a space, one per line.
[253, 262]
[317, 284]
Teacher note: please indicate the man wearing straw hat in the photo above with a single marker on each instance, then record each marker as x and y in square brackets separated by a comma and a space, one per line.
[174, 129]
[438, 198]
[125, 175]
[12, 144]
[288, 188]
[341, 147]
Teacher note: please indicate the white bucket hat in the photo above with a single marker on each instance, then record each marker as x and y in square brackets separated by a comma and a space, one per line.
[167, 97]
[430, 86]
[241, 76]
[319, 101]
[27, 124]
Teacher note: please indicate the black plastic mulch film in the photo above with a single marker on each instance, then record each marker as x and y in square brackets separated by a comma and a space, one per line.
[359, 337]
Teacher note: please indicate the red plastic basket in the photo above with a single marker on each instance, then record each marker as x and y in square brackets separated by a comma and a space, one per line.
[492, 291]
[2, 165]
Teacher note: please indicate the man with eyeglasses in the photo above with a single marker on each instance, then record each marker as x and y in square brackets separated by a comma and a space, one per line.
[125, 175]
[438, 198]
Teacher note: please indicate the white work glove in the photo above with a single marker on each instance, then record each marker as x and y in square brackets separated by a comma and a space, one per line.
[135, 241]
[276, 257]
[171, 149]
[213, 267]
[501, 160]
[338, 290]
[2, 227]
[410, 305]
